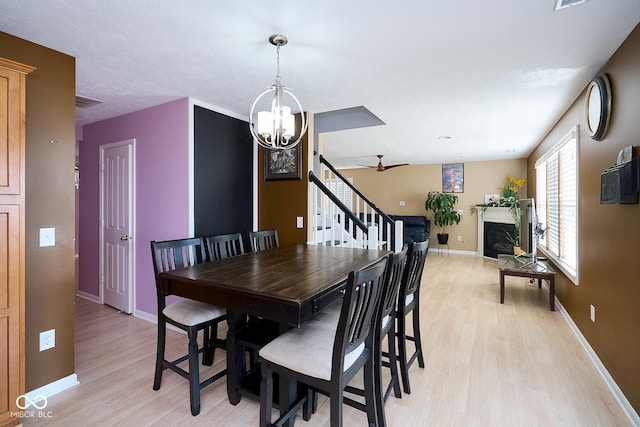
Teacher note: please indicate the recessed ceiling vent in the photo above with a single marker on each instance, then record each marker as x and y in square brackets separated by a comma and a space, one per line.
[563, 4]
[84, 102]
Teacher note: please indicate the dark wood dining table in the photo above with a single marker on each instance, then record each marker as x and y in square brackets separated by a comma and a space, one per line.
[288, 285]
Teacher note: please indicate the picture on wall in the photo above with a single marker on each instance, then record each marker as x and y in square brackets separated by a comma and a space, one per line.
[453, 178]
[283, 164]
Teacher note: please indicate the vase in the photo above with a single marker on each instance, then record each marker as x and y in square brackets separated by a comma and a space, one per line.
[517, 250]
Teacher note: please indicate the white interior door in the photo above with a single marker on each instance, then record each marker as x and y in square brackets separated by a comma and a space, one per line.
[116, 223]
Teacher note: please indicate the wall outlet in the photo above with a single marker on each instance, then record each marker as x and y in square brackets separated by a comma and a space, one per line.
[461, 212]
[299, 222]
[459, 238]
[402, 203]
[47, 339]
[592, 314]
[47, 237]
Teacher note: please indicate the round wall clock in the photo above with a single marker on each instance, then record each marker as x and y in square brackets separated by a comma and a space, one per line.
[598, 107]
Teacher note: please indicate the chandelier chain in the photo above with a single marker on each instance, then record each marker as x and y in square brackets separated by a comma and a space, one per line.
[278, 78]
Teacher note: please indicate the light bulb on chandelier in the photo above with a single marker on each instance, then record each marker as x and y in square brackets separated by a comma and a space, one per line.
[275, 128]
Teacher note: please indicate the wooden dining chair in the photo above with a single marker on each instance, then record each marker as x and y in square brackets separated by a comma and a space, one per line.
[263, 240]
[325, 355]
[224, 245]
[189, 315]
[256, 332]
[385, 329]
[409, 303]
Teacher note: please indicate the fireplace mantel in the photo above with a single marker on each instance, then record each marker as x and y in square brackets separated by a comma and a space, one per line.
[500, 215]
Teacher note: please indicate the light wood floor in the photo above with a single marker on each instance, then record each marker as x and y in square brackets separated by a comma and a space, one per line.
[487, 364]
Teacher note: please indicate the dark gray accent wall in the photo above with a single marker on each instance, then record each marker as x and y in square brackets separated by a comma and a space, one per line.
[223, 181]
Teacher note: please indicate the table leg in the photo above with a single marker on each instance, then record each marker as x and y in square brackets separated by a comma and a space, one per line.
[235, 357]
[501, 287]
[539, 283]
[552, 293]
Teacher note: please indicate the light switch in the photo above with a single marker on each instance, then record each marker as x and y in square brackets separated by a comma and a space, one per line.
[47, 237]
[299, 222]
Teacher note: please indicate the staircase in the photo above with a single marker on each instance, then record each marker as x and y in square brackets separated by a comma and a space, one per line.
[346, 217]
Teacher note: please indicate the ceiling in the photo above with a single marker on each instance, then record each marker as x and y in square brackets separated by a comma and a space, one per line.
[451, 81]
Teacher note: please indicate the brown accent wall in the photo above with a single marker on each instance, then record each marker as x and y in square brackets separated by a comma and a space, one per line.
[50, 201]
[281, 202]
[412, 183]
[608, 234]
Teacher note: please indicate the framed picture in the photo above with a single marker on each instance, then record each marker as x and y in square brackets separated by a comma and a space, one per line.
[283, 164]
[453, 178]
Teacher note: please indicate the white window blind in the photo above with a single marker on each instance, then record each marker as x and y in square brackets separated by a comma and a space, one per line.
[342, 190]
[557, 200]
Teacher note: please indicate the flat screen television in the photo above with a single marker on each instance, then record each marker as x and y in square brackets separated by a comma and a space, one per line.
[528, 221]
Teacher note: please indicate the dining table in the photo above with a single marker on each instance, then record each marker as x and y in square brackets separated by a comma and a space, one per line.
[286, 285]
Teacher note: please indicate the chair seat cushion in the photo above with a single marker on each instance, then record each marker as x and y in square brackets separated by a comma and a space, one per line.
[190, 312]
[309, 349]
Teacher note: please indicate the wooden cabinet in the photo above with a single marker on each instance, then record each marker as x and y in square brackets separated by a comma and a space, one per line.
[12, 238]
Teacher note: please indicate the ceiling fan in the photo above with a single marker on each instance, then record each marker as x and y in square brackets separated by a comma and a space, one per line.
[381, 168]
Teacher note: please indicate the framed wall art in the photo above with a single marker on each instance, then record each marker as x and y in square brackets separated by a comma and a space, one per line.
[283, 164]
[453, 178]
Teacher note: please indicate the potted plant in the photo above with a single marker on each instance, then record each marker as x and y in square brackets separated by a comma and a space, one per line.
[444, 213]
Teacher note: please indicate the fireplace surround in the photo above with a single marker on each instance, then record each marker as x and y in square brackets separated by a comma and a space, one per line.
[493, 223]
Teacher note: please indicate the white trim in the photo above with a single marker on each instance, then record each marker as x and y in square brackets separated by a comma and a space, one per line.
[618, 395]
[152, 318]
[439, 249]
[88, 296]
[55, 387]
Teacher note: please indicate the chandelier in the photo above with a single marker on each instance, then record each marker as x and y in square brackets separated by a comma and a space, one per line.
[273, 126]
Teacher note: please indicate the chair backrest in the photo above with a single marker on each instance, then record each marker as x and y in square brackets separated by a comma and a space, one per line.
[354, 337]
[171, 254]
[393, 278]
[416, 257]
[224, 246]
[263, 240]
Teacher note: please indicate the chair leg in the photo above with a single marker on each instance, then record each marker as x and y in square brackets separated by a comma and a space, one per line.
[210, 334]
[416, 335]
[393, 362]
[402, 352]
[194, 373]
[335, 404]
[162, 336]
[374, 389]
[307, 407]
[266, 396]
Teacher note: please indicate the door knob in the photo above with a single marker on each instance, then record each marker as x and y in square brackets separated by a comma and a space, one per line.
[125, 237]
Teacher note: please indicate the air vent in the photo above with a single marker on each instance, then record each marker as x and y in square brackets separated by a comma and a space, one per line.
[84, 102]
[563, 4]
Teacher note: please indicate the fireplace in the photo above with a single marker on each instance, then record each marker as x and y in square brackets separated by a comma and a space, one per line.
[495, 239]
[493, 223]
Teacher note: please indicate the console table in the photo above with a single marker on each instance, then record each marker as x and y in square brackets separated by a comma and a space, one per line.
[510, 265]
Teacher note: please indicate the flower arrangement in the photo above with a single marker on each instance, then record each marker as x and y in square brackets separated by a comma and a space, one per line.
[511, 187]
[509, 198]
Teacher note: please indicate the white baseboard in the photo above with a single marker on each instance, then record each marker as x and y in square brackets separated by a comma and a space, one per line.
[88, 296]
[444, 250]
[50, 389]
[631, 414]
[154, 319]
[145, 316]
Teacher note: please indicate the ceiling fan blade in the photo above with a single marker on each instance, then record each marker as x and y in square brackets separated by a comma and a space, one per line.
[394, 166]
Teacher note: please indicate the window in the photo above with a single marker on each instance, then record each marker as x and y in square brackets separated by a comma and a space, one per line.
[557, 200]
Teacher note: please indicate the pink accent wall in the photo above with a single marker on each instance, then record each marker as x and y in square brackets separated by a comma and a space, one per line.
[162, 190]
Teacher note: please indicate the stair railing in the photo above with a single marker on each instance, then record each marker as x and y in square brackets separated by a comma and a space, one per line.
[362, 224]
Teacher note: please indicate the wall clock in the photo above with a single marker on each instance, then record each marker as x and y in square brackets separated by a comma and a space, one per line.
[598, 107]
